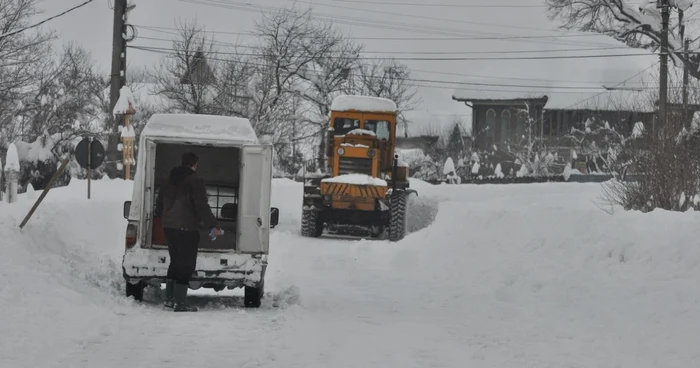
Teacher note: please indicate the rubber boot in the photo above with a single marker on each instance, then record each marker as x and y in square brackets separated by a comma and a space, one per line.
[181, 299]
[169, 294]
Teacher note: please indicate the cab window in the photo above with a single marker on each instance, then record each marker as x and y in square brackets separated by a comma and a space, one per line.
[343, 126]
[381, 128]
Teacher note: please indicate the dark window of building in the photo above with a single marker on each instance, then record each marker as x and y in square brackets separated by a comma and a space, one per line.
[490, 126]
[505, 126]
[521, 128]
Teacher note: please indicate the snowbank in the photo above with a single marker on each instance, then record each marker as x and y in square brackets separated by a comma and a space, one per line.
[363, 103]
[505, 276]
[357, 179]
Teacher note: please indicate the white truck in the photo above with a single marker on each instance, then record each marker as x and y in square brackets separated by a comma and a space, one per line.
[237, 170]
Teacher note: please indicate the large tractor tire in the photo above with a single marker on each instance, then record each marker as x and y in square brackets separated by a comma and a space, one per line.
[397, 220]
[311, 224]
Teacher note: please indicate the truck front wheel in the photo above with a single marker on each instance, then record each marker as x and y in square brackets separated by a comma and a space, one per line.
[397, 220]
[311, 223]
[135, 290]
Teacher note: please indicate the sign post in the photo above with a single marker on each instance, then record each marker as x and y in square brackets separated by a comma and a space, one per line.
[90, 154]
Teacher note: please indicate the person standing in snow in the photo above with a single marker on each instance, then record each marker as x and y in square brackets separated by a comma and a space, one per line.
[182, 204]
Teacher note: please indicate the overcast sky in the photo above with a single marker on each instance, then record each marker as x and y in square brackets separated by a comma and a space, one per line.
[91, 26]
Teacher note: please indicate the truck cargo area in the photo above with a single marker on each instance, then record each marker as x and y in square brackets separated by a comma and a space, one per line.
[219, 168]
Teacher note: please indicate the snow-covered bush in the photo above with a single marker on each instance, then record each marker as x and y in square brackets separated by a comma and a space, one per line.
[605, 148]
[669, 173]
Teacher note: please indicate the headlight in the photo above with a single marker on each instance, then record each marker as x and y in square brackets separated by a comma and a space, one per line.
[341, 151]
[371, 153]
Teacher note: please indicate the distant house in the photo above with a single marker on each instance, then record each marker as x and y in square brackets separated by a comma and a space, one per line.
[499, 121]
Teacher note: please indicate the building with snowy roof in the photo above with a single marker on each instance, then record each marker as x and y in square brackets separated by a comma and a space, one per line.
[498, 117]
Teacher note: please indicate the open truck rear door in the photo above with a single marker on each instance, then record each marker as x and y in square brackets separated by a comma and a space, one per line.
[254, 199]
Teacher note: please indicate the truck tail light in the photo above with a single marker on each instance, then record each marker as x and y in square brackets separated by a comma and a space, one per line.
[132, 232]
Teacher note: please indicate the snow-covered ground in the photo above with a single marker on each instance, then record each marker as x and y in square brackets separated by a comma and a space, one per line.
[505, 276]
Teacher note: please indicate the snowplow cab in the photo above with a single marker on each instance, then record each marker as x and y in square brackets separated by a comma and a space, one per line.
[365, 185]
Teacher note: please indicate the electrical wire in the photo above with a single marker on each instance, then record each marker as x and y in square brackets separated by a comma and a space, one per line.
[432, 58]
[35, 25]
[362, 22]
[226, 44]
[417, 82]
[615, 86]
[164, 29]
[444, 5]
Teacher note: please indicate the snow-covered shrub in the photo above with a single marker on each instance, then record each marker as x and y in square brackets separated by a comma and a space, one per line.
[668, 168]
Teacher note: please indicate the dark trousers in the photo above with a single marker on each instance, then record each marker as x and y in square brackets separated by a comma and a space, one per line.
[182, 246]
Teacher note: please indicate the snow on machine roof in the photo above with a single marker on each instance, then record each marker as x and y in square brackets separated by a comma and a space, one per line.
[203, 127]
[363, 103]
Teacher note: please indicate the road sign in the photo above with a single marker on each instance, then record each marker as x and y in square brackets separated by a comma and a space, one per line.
[90, 153]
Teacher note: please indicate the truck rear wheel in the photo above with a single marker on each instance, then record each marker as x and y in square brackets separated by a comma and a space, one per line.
[311, 224]
[397, 220]
[135, 290]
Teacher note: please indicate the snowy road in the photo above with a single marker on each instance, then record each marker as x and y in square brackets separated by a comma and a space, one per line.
[505, 276]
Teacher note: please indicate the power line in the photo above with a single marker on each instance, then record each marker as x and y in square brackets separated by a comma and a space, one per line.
[511, 78]
[425, 52]
[432, 58]
[487, 38]
[443, 5]
[617, 85]
[404, 15]
[362, 22]
[598, 82]
[415, 82]
[439, 5]
[8, 34]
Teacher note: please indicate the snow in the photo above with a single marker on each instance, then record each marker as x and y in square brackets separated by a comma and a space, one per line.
[126, 99]
[356, 179]
[363, 103]
[12, 158]
[638, 129]
[498, 171]
[449, 167]
[354, 145]
[30, 192]
[200, 127]
[361, 132]
[127, 132]
[523, 172]
[567, 171]
[476, 167]
[460, 291]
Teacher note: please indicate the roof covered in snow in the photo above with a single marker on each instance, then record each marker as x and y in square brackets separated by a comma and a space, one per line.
[204, 127]
[363, 103]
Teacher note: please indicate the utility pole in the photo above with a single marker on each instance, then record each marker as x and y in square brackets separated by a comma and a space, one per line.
[663, 73]
[117, 81]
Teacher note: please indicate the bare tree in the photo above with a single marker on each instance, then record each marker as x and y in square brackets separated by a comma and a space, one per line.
[529, 149]
[186, 78]
[637, 26]
[327, 77]
[301, 58]
[390, 79]
[22, 57]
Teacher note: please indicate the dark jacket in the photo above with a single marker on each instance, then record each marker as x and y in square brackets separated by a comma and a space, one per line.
[182, 202]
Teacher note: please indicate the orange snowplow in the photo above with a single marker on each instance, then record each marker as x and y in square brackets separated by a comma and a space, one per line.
[366, 186]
